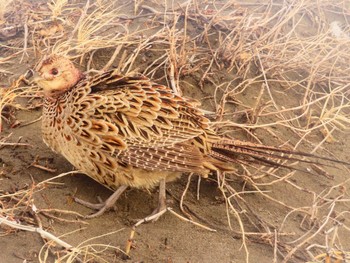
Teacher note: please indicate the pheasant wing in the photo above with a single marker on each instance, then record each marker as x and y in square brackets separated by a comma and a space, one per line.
[142, 123]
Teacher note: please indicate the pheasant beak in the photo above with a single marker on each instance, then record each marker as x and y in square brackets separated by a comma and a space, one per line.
[31, 77]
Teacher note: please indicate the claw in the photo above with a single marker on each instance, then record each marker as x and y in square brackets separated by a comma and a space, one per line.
[104, 206]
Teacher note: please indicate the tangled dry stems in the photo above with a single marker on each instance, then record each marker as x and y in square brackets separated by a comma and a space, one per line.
[270, 57]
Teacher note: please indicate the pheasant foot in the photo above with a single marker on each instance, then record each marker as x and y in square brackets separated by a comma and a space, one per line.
[103, 206]
[160, 210]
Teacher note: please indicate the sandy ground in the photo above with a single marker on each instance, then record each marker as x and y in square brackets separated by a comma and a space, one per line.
[169, 239]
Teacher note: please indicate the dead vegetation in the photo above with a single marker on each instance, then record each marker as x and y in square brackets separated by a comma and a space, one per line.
[289, 58]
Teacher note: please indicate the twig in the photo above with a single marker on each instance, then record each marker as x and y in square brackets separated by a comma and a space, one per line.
[183, 197]
[39, 230]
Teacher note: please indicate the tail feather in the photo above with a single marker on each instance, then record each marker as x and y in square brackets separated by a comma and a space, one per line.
[235, 156]
[235, 151]
[279, 155]
[257, 147]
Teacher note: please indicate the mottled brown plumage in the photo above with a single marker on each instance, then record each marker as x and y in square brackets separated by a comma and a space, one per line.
[123, 130]
[128, 130]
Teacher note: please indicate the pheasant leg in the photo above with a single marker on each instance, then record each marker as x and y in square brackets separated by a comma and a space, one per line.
[161, 200]
[104, 206]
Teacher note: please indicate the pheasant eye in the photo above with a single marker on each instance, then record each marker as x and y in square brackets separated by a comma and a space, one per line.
[54, 71]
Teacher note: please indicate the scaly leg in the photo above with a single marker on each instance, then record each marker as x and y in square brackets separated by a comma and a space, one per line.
[104, 206]
[161, 200]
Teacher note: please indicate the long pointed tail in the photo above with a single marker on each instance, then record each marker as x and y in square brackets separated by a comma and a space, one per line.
[235, 151]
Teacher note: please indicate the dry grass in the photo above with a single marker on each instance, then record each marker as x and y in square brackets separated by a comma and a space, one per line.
[268, 56]
[3, 7]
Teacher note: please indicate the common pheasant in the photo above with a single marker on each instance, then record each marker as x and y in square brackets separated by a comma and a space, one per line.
[129, 131]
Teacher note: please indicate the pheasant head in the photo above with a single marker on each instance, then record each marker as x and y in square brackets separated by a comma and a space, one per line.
[56, 75]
